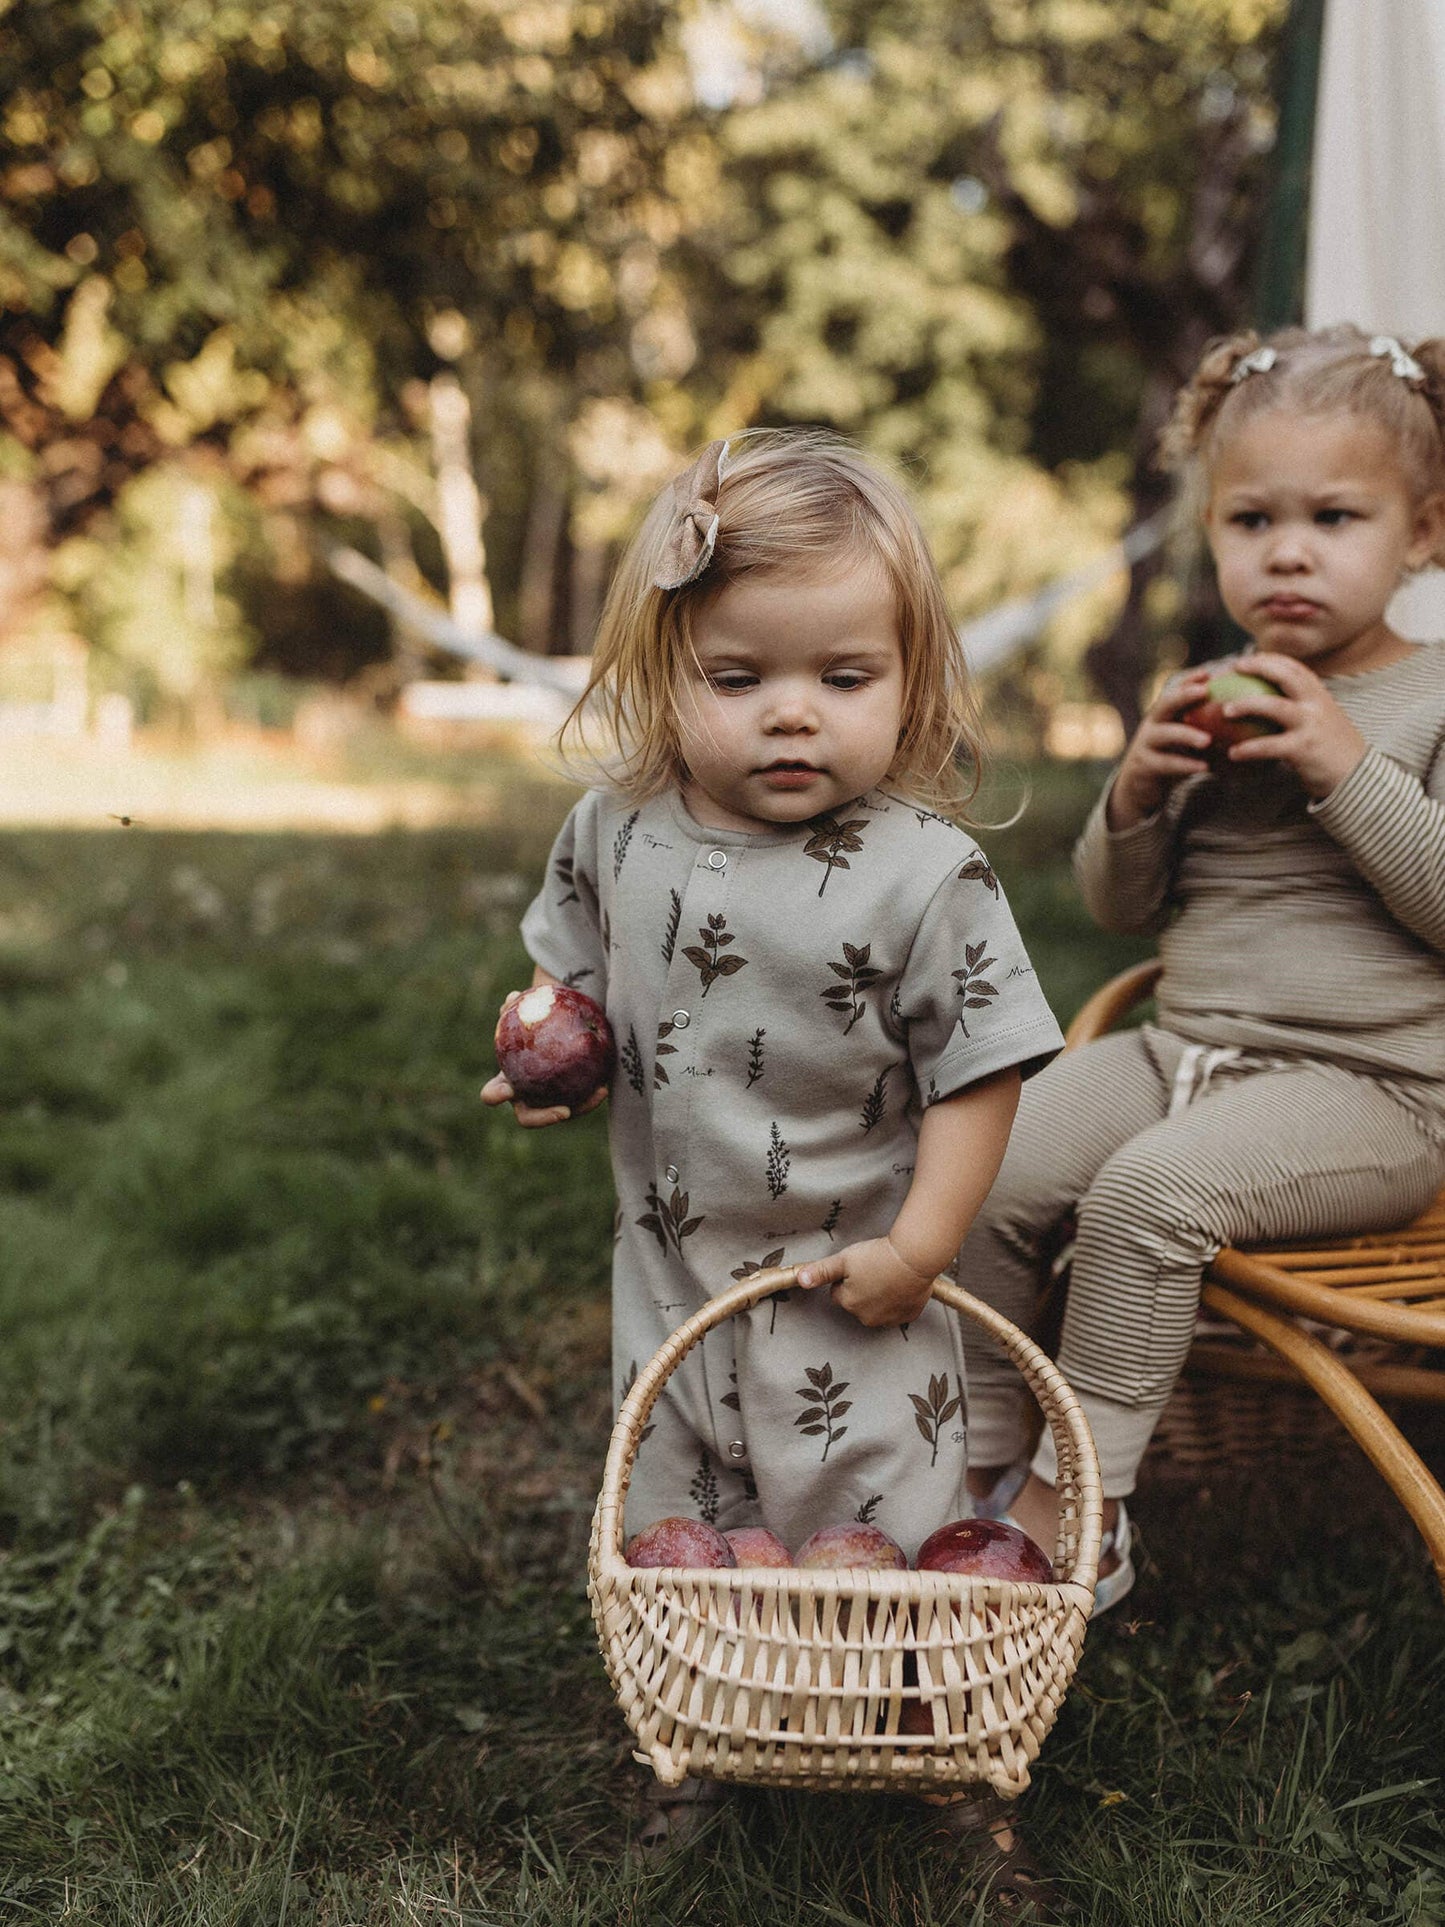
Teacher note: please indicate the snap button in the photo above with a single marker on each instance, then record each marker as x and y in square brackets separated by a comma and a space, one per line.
[680, 1020]
[717, 860]
[737, 1450]
[672, 1174]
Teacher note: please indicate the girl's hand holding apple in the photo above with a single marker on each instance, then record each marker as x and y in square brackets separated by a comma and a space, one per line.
[1314, 735]
[1162, 751]
[556, 1055]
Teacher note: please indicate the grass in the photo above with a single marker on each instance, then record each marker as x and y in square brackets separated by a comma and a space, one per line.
[302, 1401]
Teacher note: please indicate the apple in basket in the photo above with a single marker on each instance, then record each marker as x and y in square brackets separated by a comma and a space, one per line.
[679, 1542]
[1232, 685]
[756, 1546]
[854, 1544]
[554, 1046]
[984, 1549]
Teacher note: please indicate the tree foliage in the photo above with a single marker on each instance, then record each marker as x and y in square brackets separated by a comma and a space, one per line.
[985, 240]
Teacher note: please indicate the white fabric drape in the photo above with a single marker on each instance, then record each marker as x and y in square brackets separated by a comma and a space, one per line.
[1377, 236]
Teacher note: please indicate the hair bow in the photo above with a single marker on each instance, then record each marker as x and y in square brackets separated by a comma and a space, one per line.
[692, 532]
[1401, 364]
[1258, 362]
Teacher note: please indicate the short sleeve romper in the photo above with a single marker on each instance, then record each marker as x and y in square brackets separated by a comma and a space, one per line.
[785, 1004]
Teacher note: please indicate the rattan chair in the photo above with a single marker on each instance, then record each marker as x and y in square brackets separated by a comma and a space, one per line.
[1355, 1320]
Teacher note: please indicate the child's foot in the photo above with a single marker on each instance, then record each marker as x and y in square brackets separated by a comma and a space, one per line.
[987, 1828]
[673, 1815]
[1035, 1510]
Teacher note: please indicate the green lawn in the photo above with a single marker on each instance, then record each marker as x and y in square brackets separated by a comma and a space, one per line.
[302, 1402]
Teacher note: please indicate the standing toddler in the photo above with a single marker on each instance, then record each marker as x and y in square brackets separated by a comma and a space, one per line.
[822, 1005]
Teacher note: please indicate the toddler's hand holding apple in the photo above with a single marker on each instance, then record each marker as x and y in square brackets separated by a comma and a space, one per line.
[1163, 750]
[1308, 729]
[555, 1052]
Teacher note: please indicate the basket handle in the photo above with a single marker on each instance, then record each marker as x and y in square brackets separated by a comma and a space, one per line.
[1060, 1407]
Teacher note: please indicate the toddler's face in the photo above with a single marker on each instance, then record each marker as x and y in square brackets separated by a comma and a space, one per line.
[1312, 525]
[795, 700]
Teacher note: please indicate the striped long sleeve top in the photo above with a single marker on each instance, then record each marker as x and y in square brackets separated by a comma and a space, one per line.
[1287, 925]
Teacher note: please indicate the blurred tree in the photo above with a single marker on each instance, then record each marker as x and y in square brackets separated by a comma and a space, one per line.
[993, 239]
[985, 240]
[252, 227]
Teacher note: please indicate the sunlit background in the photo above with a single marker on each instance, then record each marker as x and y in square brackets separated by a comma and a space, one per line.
[456, 285]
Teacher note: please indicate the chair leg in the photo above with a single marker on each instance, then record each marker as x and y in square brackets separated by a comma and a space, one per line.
[1401, 1467]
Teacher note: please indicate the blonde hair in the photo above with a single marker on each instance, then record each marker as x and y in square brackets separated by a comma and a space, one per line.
[1321, 372]
[791, 501]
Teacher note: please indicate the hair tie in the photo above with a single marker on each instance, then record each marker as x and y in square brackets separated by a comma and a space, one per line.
[1258, 362]
[692, 533]
[1401, 364]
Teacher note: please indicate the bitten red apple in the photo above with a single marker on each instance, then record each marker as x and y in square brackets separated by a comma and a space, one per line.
[756, 1546]
[679, 1542]
[984, 1549]
[554, 1046]
[1224, 731]
[853, 1544]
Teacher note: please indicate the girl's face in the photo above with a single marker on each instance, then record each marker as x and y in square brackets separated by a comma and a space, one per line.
[1313, 524]
[794, 702]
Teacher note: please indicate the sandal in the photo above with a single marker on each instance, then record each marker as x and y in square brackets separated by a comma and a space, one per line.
[988, 1826]
[1117, 1544]
[674, 1815]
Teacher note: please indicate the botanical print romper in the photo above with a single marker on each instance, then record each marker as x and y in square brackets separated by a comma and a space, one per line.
[785, 1005]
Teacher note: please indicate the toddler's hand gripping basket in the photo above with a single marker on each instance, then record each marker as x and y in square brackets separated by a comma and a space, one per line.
[811, 1679]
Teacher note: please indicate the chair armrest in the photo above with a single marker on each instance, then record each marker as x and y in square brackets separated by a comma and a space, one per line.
[1112, 1001]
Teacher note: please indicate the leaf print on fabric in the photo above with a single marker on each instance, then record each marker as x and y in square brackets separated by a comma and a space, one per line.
[708, 958]
[875, 1103]
[575, 977]
[620, 843]
[730, 1398]
[864, 1514]
[780, 1160]
[845, 998]
[823, 1406]
[607, 933]
[704, 1490]
[766, 1263]
[668, 1221]
[566, 875]
[830, 840]
[931, 1414]
[630, 1057]
[674, 918]
[835, 1212]
[755, 1057]
[627, 1384]
[974, 988]
[978, 869]
[664, 1049]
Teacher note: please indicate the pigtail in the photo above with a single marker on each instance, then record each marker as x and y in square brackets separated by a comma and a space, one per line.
[1201, 398]
[1430, 354]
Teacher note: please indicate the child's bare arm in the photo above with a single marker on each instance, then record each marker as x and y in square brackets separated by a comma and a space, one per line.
[961, 1142]
[497, 1090]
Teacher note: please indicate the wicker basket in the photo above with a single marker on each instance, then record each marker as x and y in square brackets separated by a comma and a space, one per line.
[801, 1679]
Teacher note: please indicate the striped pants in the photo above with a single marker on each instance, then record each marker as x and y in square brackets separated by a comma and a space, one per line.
[1261, 1154]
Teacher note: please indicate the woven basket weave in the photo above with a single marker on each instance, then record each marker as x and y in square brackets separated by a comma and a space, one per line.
[800, 1679]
